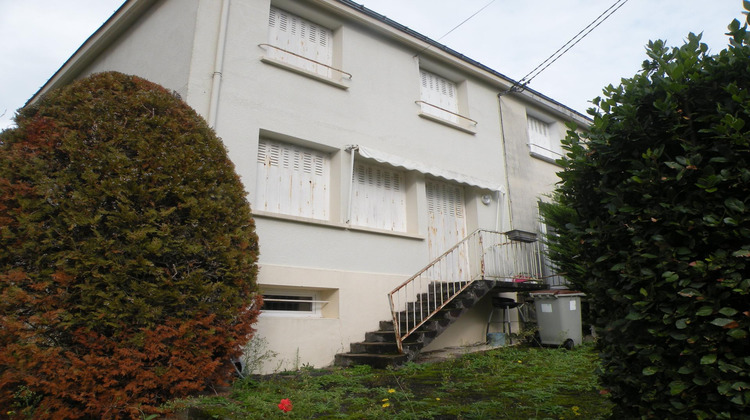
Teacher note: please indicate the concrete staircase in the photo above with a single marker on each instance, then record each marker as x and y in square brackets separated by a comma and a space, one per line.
[379, 349]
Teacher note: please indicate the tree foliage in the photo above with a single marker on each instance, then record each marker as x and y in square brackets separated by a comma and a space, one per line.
[653, 222]
[128, 253]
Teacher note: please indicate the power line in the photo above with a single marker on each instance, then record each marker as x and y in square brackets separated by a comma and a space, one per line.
[466, 20]
[520, 85]
[457, 26]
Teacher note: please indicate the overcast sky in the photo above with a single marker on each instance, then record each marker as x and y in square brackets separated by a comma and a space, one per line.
[510, 36]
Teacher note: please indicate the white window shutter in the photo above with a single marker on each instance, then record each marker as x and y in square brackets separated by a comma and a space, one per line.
[446, 227]
[378, 198]
[438, 92]
[292, 180]
[299, 36]
[541, 141]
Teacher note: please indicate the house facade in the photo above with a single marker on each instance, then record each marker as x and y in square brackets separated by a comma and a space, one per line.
[367, 150]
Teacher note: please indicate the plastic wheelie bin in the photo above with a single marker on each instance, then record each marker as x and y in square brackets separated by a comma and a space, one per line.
[558, 314]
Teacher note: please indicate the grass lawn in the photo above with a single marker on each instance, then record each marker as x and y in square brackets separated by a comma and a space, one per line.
[504, 383]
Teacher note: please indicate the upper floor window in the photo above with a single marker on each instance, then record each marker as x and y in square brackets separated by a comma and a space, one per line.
[439, 101]
[299, 42]
[543, 139]
[378, 197]
[292, 180]
[440, 95]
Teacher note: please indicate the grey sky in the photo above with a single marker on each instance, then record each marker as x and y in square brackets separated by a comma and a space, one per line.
[510, 36]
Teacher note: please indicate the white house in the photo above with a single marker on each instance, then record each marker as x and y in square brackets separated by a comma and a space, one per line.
[367, 151]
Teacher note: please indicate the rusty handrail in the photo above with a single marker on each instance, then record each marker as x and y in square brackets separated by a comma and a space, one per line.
[481, 255]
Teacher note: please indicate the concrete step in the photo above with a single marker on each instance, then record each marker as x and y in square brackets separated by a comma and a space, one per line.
[380, 361]
[380, 350]
[383, 348]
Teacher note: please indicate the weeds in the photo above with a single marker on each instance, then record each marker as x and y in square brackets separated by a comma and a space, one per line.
[505, 383]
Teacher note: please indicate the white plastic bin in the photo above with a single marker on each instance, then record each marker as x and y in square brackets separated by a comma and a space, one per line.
[558, 314]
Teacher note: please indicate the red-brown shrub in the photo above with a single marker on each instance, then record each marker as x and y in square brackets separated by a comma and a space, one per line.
[127, 255]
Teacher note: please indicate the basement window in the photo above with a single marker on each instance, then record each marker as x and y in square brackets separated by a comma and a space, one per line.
[292, 303]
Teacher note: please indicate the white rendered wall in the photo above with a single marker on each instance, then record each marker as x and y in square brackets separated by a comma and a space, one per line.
[529, 177]
[158, 47]
[175, 44]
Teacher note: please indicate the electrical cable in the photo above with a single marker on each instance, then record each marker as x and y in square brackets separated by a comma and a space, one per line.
[520, 85]
[456, 27]
[466, 20]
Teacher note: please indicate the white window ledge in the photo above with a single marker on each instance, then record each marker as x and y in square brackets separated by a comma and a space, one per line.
[465, 128]
[544, 154]
[342, 83]
[334, 225]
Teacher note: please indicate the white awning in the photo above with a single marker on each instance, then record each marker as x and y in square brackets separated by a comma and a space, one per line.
[401, 162]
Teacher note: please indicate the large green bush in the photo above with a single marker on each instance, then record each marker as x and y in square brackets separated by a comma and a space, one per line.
[653, 223]
[128, 256]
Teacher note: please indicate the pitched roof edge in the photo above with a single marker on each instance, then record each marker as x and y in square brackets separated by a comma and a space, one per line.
[120, 20]
[130, 10]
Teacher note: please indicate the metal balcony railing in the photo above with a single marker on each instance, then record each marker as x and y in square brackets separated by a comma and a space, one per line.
[444, 114]
[309, 60]
[483, 255]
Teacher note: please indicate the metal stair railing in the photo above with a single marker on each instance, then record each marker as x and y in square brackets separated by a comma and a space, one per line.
[483, 255]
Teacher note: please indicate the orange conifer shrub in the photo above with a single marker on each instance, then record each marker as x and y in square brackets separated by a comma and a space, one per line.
[127, 253]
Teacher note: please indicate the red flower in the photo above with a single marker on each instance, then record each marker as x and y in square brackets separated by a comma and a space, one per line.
[285, 405]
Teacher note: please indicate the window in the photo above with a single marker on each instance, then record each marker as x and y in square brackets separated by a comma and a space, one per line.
[292, 180]
[287, 303]
[439, 102]
[542, 140]
[378, 198]
[439, 97]
[300, 43]
[292, 302]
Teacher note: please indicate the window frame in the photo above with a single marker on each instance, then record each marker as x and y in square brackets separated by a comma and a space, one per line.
[443, 107]
[542, 145]
[397, 215]
[316, 304]
[295, 60]
[319, 179]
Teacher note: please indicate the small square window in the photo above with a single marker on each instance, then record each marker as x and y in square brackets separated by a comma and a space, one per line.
[543, 142]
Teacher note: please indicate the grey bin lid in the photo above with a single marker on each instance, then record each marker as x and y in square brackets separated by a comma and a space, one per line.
[554, 294]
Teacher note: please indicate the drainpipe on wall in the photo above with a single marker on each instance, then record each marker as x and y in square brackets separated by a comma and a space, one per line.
[505, 164]
[218, 64]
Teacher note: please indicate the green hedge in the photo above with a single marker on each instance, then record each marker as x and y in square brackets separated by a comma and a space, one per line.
[128, 259]
[653, 223]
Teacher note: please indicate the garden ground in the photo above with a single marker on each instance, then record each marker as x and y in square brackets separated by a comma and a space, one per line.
[503, 383]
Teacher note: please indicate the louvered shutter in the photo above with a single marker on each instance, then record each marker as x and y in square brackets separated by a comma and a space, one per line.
[301, 37]
[292, 180]
[440, 93]
[378, 198]
[445, 204]
[540, 139]
[447, 227]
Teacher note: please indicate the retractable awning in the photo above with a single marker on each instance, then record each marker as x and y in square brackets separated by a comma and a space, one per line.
[424, 168]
